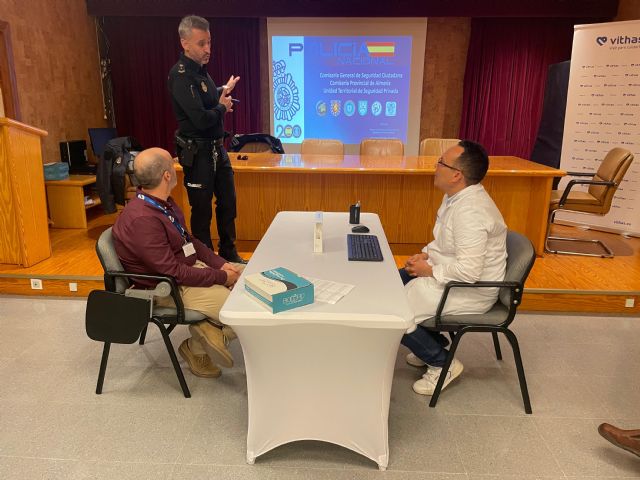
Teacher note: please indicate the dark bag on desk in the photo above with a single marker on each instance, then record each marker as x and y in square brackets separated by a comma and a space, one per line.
[240, 141]
[116, 162]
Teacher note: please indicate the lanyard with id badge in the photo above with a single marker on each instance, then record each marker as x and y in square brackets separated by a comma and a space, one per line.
[188, 247]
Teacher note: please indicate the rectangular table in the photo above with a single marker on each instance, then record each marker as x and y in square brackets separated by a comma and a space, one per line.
[321, 372]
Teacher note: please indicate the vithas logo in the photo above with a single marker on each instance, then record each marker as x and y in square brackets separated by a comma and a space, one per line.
[619, 40]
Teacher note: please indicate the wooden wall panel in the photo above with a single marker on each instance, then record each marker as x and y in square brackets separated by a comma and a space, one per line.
[444, 65]
[50, 287]
[57, 69]
[576, 302]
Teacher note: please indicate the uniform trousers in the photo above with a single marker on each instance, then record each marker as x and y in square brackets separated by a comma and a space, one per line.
[203, 180]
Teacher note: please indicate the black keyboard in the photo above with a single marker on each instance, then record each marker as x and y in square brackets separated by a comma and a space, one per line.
[363, 248]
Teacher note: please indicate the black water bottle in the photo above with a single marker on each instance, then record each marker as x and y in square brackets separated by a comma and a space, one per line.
[354, 213]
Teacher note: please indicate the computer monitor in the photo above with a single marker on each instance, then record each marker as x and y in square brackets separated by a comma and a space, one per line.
[99, 138]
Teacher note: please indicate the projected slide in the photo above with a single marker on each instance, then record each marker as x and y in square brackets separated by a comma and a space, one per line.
[346, 88]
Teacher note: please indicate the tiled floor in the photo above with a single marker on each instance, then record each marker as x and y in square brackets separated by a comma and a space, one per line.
[581, 371]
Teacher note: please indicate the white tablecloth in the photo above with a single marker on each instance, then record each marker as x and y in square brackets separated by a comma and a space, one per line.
[321, 372]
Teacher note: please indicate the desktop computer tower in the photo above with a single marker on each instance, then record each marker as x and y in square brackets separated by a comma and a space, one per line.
[74, 152]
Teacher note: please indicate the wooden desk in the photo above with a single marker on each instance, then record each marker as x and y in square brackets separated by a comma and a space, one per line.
[399, 189]
[66, 201]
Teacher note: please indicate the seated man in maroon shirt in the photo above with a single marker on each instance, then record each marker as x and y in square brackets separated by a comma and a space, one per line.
[150, 237]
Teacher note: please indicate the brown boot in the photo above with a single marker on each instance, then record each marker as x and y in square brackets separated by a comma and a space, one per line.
[627, 439]
[200, 365]
[213, 341]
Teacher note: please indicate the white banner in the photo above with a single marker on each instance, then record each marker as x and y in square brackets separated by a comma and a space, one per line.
[603, 112]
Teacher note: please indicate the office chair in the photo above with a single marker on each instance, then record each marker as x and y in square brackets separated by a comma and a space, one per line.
[435, 146]
[120, 314]
[381, 147]
[596, 201]
[317, 146]
[520, 258]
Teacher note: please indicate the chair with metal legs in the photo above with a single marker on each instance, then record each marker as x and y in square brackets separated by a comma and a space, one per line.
[596, 201]
[120, 314]
[520, 258]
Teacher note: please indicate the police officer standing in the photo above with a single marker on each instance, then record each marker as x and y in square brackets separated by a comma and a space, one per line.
[200, 107]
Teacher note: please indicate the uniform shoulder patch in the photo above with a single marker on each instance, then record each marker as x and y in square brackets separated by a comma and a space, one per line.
[181, 68]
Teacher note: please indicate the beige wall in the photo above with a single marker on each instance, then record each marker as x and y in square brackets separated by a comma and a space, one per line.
[56, 65]
[628, 10]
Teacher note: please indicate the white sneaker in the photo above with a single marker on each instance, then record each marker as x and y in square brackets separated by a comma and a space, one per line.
[414, 360]
[427, 384]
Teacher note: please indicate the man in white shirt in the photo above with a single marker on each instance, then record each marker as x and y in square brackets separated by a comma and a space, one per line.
[469, 245]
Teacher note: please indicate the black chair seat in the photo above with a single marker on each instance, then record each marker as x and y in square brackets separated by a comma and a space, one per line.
[496, 316]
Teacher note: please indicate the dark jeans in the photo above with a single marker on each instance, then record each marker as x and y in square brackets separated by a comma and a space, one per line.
[218, 182]
[428, 346]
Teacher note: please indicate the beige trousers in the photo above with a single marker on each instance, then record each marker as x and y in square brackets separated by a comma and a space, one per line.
[206, 300]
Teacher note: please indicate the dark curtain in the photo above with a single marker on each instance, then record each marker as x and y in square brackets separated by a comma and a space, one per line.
[143, 50]
[504, 82]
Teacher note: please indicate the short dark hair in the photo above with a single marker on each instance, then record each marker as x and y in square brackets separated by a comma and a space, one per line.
[474, 162]
[191, 22]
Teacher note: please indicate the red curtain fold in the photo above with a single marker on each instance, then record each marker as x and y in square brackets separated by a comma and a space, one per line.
[504, 82]
[143, 50]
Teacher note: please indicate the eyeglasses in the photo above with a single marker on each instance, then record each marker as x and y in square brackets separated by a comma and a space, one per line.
[441, 162]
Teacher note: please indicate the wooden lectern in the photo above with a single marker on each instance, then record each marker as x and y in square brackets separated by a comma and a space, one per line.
[24, 231]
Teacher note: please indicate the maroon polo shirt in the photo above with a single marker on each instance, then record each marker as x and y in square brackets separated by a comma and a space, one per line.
[146, 241]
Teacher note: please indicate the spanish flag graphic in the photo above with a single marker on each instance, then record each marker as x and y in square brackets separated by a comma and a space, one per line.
[381, 49]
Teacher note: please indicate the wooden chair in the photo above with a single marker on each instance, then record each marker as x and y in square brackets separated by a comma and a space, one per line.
[596, 201]
[321, 147]
[435, 146]
[381, 147]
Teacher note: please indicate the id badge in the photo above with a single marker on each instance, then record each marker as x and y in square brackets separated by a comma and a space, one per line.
[188, 249]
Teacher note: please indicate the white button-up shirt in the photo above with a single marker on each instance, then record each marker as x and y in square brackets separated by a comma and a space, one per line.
[469, 245]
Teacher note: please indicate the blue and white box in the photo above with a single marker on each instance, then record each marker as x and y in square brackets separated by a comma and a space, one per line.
[279, 289]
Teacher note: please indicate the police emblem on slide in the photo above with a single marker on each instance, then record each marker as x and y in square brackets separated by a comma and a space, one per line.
[285, 93]
[204, 86]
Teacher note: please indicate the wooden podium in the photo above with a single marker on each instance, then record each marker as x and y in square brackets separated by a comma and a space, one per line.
[24, 231]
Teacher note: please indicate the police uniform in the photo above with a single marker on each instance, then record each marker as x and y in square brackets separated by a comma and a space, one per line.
[206, 165]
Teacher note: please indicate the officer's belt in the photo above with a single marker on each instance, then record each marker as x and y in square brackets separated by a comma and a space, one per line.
[208, 142]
